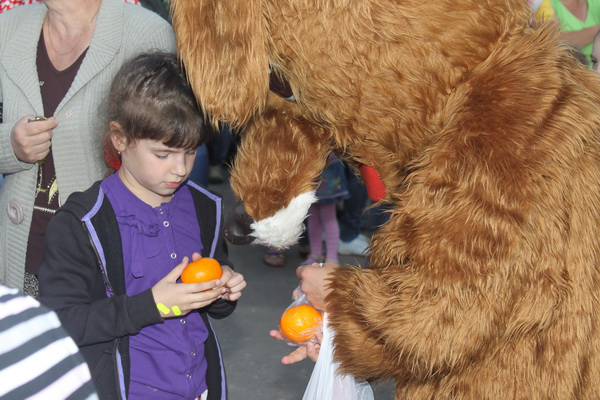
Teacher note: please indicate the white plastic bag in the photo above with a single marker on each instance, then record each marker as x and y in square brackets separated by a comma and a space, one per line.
[326, 383]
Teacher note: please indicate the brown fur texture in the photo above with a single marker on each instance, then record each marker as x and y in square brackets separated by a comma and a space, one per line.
[485, 282]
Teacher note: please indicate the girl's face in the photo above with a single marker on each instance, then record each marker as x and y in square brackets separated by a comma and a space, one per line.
[153, 171]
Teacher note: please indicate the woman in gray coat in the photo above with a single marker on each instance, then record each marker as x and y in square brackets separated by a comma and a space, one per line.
[57, 60]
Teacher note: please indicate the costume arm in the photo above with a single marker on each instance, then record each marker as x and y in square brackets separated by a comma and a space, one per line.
[410, 320]
[72, 285]
[389, 326]
[443, 287]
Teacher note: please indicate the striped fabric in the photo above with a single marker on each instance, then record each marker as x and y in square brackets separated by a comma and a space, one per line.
[38, 360]
[8, 4]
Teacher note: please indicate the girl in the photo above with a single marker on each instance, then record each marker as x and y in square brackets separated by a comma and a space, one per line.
[322, 216]
[114, 253]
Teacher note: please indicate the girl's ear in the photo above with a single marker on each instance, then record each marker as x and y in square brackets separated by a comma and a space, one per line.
[224, 48]
[113, 144]
[118, 140]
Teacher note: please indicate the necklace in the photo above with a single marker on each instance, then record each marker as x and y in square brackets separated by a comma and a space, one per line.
[78, 40]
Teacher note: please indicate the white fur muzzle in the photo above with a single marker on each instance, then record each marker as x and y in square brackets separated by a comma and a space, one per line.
[285, 227]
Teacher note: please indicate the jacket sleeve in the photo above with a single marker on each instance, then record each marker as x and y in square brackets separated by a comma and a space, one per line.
[221, 308]
[71, 283]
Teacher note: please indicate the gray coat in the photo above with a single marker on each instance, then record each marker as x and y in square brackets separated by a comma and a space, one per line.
[122, 31]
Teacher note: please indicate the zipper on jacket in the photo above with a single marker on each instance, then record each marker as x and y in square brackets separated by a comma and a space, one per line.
[103, 270]
[118, 367]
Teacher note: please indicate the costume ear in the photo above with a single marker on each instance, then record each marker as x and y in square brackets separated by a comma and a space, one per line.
[223, 46]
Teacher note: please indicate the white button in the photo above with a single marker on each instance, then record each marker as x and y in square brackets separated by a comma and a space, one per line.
[15, 212]
[166, 223]
[189, 376]
[173, 255]
[161, 211]
[193, 353]
[182, 321]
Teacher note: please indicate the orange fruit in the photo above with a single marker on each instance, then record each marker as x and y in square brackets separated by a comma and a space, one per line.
[300, 323]
[202, 270]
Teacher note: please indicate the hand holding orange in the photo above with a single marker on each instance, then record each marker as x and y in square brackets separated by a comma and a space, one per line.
[202, 270]
[300, 323]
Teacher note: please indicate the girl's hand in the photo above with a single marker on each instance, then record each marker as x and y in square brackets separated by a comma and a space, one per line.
[175, 299]
[233, 282]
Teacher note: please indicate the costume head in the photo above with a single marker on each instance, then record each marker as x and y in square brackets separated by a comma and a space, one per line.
[365, 79]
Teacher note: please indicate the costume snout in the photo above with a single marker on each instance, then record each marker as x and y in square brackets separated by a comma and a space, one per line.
[237, 228]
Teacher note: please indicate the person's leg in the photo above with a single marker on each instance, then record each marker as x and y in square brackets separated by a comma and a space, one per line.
[220, 145]
[315, 234]
[332, 230]
[218, 150]
[380, 215]
[352, 242]
[199, 172]
[350, 217]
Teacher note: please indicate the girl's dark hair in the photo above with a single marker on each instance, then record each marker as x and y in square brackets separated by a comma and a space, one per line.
[150, 98]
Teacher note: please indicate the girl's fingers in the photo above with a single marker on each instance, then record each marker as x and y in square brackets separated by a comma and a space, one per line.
[176, 272]
[227, 273]
[232, 296]
[193, 288]
[236, 281]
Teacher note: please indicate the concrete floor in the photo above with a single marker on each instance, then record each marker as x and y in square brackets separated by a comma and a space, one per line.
[252, 357]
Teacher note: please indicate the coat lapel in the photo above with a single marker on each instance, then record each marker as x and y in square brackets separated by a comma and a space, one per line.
[103, 47]
[20, 55]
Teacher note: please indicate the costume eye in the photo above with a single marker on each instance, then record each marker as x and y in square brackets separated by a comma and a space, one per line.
[279, 85]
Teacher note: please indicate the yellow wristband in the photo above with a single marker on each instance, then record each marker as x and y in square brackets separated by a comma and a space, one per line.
[176, 310]
[164, 309]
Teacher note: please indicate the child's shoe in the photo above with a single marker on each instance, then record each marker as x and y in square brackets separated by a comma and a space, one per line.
[274, 258]
[311, 259]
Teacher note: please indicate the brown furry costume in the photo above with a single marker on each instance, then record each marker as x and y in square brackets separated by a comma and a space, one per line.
[485, 282]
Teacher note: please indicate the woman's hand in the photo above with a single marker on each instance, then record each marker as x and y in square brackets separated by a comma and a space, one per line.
[31, 141]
